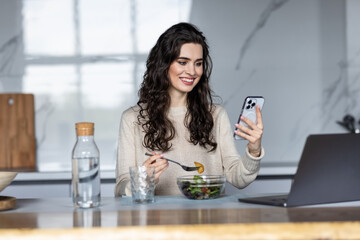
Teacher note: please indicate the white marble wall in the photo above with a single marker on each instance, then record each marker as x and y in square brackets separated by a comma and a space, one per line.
[353, 56]
[301, 55]
[11, 47]
[292, 52]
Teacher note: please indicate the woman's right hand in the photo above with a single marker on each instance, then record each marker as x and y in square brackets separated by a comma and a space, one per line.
[159, 163]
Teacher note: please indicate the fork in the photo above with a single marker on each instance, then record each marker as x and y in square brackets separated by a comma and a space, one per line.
[186, 168]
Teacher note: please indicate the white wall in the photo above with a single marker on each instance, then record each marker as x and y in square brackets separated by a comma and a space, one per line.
[353, 53]
[291, 56]
[11, 50]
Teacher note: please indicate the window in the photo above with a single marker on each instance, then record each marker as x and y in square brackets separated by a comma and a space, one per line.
[84, 62]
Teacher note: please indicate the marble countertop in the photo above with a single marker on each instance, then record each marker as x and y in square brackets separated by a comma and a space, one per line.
[171, 203]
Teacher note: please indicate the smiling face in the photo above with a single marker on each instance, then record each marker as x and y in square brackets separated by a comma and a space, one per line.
[185, 72]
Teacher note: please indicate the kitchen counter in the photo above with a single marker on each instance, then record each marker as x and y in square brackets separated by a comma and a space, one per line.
[267, 170]
[174, 217]
[272, 178]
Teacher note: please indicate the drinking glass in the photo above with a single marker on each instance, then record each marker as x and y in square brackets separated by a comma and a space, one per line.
[142, 182]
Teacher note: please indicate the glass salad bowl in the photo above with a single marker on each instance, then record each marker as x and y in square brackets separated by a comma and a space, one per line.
[201, 187]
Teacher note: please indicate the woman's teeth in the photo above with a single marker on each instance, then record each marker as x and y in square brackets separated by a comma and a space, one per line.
[189, 80]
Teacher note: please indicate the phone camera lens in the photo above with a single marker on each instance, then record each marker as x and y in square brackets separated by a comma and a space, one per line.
[253, 104]
[248, 107]
[249, 102]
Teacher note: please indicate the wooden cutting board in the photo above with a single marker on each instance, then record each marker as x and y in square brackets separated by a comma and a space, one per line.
[7, 202]
[17, 131]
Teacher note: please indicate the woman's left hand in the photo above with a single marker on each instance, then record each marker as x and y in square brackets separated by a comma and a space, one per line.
[253, 134]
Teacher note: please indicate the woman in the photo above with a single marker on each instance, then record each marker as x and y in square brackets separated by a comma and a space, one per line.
[175, 116]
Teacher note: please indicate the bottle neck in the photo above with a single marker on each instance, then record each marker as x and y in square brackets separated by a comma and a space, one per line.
[85, 147]
[86, 138]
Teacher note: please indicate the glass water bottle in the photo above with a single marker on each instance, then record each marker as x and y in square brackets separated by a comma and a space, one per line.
[85, 168]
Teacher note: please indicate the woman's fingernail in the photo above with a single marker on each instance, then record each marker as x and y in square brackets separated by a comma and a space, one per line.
[161, 155]
[236, 124]
[242, 117]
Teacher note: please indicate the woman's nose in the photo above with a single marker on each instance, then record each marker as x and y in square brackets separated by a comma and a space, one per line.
[190, 69]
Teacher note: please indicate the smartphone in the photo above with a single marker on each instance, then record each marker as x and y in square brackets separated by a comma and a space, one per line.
[248, 110]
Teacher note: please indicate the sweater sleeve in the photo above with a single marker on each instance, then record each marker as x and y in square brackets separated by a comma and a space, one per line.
[125, 153]
[239, 171]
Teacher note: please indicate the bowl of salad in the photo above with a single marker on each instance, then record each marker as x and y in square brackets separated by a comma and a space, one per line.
[201, 187]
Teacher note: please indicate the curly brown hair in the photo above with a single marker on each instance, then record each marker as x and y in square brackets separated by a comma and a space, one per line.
[154, 99]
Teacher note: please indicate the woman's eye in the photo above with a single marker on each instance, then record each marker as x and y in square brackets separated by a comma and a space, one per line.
[198, 64]
[181, 62]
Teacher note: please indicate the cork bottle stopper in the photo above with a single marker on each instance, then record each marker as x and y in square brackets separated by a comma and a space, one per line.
[84, 129]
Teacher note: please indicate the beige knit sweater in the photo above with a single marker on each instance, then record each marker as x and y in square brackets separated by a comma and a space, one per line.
[239, 171]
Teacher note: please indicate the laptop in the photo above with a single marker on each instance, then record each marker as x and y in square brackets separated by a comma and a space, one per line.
[328, 172]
